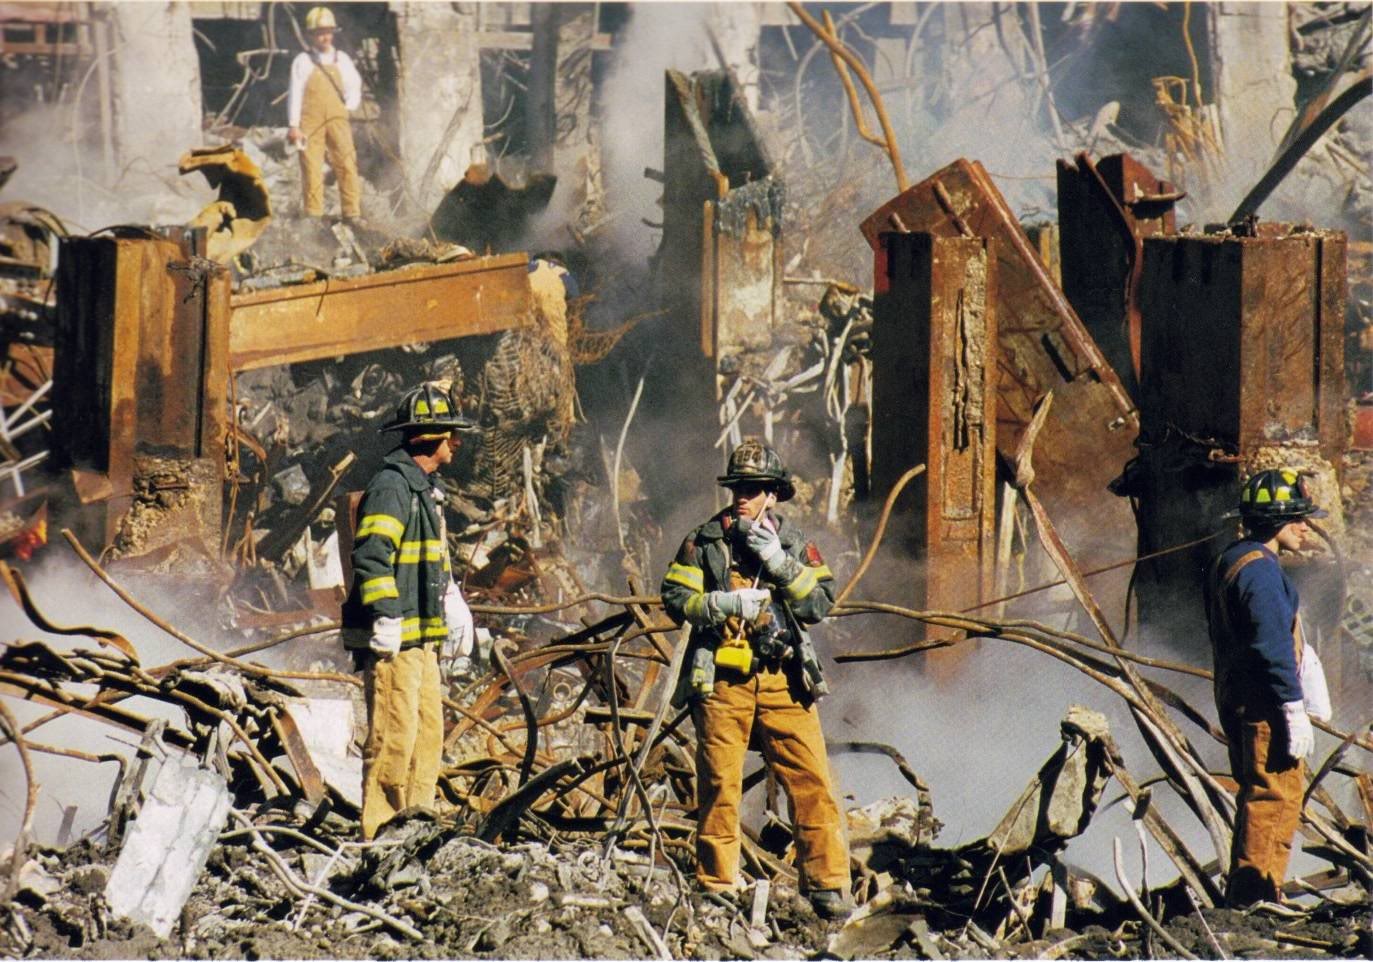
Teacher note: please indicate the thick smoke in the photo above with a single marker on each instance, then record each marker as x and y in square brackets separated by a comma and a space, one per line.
[65, 174]
[659, 37]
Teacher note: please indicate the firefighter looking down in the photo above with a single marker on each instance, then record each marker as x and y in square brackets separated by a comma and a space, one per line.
[404, 607]
[1267, 680]
[747, 581]
[324, 87]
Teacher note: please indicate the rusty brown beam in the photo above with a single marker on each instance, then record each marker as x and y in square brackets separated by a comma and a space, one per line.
[1042, 346]
[1306, 131]
[332, 318]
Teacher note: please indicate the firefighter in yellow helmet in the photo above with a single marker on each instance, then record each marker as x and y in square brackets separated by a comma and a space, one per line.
[1267, 680]
[404, 608]
[748, 582]
[324, 87]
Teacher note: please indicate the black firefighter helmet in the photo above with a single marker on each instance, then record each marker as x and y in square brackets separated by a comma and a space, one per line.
[1277, 496]
[754, 462]
[429, 412]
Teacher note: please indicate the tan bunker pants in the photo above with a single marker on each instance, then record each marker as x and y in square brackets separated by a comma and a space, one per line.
[400, 762]
[1269, 808]
[794, 748]
[328, 134]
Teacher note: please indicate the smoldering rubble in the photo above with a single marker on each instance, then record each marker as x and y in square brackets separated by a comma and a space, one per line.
[1004, 403]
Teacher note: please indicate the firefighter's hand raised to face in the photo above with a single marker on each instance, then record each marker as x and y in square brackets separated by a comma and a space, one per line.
[763, 541]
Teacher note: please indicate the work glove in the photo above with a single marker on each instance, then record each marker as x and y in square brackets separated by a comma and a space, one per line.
[1301, 739]
[763, 541]
[462, 633]
[745, 603]
[385, 640]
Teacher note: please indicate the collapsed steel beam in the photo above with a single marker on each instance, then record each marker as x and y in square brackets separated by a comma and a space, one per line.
[331, 318]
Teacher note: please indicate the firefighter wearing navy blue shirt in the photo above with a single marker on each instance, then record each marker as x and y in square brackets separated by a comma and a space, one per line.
[1257, 645]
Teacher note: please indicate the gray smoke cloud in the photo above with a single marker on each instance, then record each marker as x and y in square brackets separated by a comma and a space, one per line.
[61, 172]
[659, 37]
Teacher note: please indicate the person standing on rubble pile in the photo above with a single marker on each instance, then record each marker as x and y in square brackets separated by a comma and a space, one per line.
[404, 606]
[747, 580]
[1267, 680]
[324, 87]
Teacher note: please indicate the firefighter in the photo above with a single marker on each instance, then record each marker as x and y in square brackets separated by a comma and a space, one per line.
[404, 607]
[748, 581]
[1266, 680]
[324, 87]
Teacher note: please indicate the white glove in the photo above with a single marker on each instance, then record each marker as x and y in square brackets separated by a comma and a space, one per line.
[462, 633]
[1315, 691]
[385, 640]
[763, 541]
[746, 603]
[1301, 739]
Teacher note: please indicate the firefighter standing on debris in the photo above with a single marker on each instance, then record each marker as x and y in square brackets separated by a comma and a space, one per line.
[1267, 680]
[404, 606]
[747, 580]
[324, 87]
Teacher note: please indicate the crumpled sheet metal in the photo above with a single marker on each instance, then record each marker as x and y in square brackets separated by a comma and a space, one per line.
[243, 210]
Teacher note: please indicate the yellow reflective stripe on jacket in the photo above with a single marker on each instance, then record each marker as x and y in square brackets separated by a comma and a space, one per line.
[695, 608]
[804, 583]
[414, 629]
[413, 552]
[688, 576]
[392, 529]
[374, 589]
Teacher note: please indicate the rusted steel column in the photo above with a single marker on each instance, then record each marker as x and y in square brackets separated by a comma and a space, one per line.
[140, 379]
[1242, 368]
[1042, 346]
[1105, 210]
[744, 263]
[719, 264]
[934, 384]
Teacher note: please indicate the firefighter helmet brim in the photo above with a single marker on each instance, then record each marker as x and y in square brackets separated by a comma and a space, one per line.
[753, 462]
[1277, 495]
[429, 409]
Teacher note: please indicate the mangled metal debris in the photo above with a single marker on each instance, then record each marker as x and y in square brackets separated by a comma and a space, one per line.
[243, 209]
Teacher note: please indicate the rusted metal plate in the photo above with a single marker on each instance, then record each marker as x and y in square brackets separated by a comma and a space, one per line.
[1243, 350]
[1244, 339]
[414, 304]
[934, 384]
[293, 744]
[138, 351]
[1043, 347]
[1105, 210]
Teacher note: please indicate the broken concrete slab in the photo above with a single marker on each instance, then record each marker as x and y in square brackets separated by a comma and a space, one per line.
[326, 729]
[1060, 801]
[168, 843]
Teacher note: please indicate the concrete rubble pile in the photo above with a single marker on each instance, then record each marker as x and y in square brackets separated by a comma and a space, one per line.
[1032, 429]
[567, 801]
